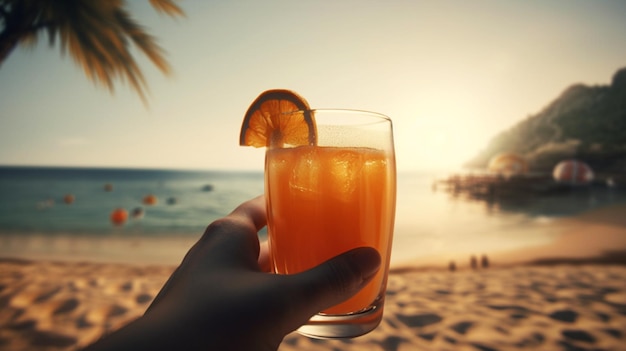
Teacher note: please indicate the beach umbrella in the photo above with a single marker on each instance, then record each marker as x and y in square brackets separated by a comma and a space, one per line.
[573, 172]
[508, 164]
[137, 213]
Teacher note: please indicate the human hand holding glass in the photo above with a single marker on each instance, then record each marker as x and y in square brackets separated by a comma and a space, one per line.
[220, 297]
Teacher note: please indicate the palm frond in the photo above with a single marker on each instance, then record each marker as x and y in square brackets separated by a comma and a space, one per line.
[97, 34]
[144, 41]
[29, 40]
[168, 7]
[89, 52]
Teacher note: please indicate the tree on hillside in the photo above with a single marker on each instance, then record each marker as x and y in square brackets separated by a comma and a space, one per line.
[98, 34]
[584, 122]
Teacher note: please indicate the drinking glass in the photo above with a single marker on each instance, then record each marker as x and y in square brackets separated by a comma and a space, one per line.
[331, 197]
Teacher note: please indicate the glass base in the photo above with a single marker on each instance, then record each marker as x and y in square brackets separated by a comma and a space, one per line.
[331, 326]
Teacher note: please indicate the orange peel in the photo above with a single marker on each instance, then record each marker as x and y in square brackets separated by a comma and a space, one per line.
[278, 118]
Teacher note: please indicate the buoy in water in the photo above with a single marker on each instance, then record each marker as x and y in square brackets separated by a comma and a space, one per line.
[68, 199]
[137, 213]
[108, 187]
[119, 216]
[150, 200]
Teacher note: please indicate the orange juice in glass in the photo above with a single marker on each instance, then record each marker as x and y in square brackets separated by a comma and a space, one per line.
[329, 198]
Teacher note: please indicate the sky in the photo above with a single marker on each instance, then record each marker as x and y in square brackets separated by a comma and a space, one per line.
[450, 74]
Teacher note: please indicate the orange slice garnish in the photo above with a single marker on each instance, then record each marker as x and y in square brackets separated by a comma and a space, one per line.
[278, 118]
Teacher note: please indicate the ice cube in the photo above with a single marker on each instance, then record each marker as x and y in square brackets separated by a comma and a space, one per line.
[305, 173]
[345, 168]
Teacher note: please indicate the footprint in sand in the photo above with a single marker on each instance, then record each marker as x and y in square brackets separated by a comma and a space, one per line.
[603, 316]
[143, 298]
[29, 324]
[462, 327]
[392, 342]
[578, 335]
[82, 322]
[66, 306]
[126, 287]
[420, 320]
[567, 316]
[428, 336]
[617, 334]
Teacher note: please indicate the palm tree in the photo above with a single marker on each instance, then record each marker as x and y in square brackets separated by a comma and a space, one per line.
[97, 33]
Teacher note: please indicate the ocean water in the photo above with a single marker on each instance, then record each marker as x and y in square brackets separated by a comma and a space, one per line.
[35, 222]
[33, 199]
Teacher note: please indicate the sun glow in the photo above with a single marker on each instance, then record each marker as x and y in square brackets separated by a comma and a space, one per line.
[442, 140]
[450, 78]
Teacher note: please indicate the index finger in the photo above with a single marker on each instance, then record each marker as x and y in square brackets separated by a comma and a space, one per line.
[232, 239]
[253, 210]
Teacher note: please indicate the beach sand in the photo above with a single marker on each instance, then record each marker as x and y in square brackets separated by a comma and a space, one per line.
[569, 295]
[67, 305]
[531, 308]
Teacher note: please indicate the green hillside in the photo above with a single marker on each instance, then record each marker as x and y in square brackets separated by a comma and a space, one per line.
[585, 122]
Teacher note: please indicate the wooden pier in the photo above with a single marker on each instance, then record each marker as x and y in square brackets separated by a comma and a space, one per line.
[493, 186]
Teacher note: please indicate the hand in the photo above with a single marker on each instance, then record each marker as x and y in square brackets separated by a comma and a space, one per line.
[222, 298]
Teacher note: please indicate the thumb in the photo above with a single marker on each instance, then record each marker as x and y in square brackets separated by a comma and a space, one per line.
[337, 279]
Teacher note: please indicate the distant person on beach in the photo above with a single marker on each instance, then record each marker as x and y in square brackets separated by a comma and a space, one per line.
[222, 298]
[473, 262]
[484, 261]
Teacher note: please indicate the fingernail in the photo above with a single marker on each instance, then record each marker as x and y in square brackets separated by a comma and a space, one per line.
[366, 260]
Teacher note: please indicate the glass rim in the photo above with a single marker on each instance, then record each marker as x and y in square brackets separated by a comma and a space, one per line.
[381, 118]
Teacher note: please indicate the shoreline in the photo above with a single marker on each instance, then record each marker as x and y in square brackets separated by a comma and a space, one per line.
[115, 249]
[595, 236]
